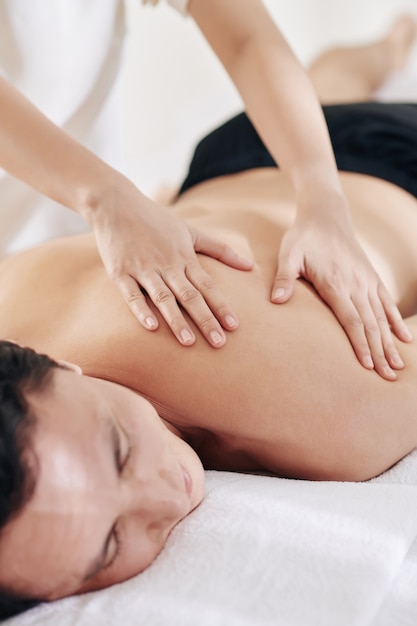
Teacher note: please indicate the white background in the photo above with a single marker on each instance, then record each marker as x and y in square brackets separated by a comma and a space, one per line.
[176, 90]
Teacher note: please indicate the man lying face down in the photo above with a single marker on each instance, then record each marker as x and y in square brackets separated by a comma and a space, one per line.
[83, 462]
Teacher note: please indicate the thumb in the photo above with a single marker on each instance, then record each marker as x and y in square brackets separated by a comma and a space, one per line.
[220, 251]
[284, 282]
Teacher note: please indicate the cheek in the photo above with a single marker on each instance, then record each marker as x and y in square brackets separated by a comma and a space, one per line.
[137, 552]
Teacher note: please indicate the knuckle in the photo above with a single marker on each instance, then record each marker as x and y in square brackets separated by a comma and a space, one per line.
[133, 297]
[116, 272]
[206, 323]
[372, 328]
[354, 322]
[381, 320]
[389, 346]
[333, 277]
[163, 296]
[137, 306]
[357, 282]
[221, 310]
[176, 322]
[332, 287]
[283, 277]
[206, 285]
[189, 295]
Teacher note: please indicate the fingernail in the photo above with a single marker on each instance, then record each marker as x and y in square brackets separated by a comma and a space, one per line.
[397, 360]
[216, 337]
[186, 335]
[278, 293]
[407, 334]
[231, 321]
[368, 362]
[150, 322]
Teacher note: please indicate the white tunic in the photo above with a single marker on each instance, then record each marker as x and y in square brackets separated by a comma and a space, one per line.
[64, 55]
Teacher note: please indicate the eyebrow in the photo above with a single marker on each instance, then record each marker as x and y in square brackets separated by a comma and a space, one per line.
[113, 442]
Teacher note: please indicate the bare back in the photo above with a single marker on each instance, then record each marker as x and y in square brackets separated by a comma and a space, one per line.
[286, 394]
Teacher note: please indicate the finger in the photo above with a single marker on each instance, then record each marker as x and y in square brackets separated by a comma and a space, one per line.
[377, 334]
[214, 300]
[136, 301]
[351, 322]
[349, 319]
[390, 350]
[192, 300]
[283, 286]
[165, 300]
[398, 325]
[361, 326]
[220, 251]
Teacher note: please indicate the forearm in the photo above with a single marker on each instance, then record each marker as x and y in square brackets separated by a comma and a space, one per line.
[275, 88]
[43, 156]
[281, 102]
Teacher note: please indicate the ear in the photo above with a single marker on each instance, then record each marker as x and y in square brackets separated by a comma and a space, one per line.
[71, 366]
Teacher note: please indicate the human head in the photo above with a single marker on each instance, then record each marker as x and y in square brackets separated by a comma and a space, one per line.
[110, 481]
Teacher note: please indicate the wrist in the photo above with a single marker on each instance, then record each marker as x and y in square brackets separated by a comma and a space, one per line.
[97, 201]
[317, 175]
[325, 207]
[318, 198]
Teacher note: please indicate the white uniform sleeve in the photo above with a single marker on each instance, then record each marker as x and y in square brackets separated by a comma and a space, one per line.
[180, 5]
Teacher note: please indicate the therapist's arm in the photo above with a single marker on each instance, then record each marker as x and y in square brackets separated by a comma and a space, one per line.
[321, 246]
[143, 245]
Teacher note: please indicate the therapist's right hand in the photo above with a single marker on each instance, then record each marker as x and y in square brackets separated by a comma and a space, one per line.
[146, 247]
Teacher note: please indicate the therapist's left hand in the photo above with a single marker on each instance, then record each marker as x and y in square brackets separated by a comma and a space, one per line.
[147, 247]
[321, 247]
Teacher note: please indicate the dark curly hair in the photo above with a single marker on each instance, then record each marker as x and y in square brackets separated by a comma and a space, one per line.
[21, 370]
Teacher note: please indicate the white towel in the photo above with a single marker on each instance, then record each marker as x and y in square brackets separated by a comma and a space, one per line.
[266, 551]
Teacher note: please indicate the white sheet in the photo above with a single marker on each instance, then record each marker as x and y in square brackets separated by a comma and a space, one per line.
[262, 551]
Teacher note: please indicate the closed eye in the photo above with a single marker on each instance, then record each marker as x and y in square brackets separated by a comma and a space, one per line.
[122, 451]
[121, 447]
[128, 451]
[116, 537]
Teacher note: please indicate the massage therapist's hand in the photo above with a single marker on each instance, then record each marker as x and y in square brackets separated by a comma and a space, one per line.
[144, 245]
[324, 250]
